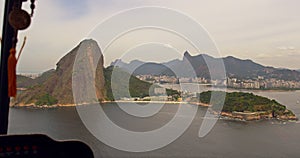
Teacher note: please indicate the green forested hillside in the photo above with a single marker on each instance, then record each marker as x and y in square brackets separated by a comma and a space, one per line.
[241, 102]
[137, 88]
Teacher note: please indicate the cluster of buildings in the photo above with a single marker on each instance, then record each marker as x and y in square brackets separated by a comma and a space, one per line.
[261, 83]
[257, 83]
[171, 79]
[158, 79]
[30, 75]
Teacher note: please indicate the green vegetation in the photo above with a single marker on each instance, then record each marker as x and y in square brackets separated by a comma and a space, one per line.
[137, 88]
[46, 100]
[175, 94]
[245, 102]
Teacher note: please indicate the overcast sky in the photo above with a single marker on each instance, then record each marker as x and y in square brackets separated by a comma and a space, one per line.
[265, 31]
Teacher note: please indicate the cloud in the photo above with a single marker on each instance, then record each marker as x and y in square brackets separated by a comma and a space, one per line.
[73, 9]
[286, 48]
[288, 60]
[255, 25]
[263, 55]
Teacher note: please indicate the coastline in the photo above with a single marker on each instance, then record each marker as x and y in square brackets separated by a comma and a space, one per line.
[255, 116]
[42, 106]
[238, 116]
[241, 89]
[156, 102]
[74, 105]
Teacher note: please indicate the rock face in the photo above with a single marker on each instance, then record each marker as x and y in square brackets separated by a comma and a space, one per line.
[58, 86]
[252, 116]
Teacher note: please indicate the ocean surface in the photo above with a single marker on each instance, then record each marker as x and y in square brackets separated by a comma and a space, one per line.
[228, 138]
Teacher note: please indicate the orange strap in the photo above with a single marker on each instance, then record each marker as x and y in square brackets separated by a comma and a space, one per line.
[12, 79]
[11, 71]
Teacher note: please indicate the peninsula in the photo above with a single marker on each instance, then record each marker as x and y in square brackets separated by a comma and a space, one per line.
[245, 106]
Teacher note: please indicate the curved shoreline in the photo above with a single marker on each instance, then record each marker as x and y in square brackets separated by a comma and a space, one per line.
[239, 116]
[117, 101]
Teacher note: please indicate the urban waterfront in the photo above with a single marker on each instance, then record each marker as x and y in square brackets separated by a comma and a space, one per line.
[254, 83]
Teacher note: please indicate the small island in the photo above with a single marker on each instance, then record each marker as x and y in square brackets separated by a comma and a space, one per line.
[245, 106]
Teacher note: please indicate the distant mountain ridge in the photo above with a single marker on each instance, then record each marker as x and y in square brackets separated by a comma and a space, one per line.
[55, 86]
[26, 82]
[235, 67]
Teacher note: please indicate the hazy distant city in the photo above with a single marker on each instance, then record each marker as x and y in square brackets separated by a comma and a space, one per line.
[256, 83]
